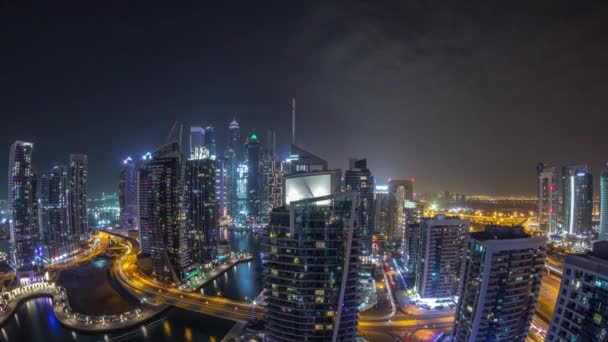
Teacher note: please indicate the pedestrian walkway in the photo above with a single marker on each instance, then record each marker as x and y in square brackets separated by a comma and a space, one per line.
[86, 323]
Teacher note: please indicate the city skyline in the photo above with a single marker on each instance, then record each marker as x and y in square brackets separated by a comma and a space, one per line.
[479, 100]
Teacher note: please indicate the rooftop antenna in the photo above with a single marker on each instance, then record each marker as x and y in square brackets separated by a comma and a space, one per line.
[293, 120]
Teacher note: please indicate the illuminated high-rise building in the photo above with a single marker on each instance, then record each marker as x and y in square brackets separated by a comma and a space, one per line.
[254, 180]
[577, 189]
[145, 208]
[197, 139]
[242, 200]
[399, 191]
[201, 210]
[277, 173]
[210, 142]
[311, 269]
[500, 285]
[161, 212]
[53, 214]
[359, 179]
[581, 311]
[77, 196]
[220, 184]
[268, 158]
[548, 200]
[440, 256]
[23, 218]
[604, 204]
[231, 164]
[381, 209]
[127, 195]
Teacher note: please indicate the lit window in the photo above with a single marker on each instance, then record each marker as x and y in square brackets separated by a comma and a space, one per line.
[320, 244]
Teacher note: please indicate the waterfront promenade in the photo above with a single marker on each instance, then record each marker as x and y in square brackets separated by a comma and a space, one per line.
[73, 320]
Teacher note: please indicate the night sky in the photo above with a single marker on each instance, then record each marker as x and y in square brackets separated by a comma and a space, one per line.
[465, 98]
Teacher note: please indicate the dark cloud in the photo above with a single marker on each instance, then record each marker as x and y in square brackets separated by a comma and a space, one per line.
[464, 96]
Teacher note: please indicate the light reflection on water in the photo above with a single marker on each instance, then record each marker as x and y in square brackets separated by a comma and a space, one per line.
[38, 323]
[245, 278]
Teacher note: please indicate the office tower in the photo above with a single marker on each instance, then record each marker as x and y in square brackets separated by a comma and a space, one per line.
[277, 174]
[604, 205]
[440, 256]
[581, 310]
[24, 228]
[127, 195]
[359, 179]
[381, 209]
[267, 166]
[53, 214]
[220, 184]
[197, 139]
[399, 191]
[242, 206]
[201, 210]
[77, 197]
[253, 175]
[503, 268]
[301, 160]
[310, 270]
[411, 246]
[210, 140]
[548, 200]
[161, 216]
[144, 208]
[231, 157]
[577, 187]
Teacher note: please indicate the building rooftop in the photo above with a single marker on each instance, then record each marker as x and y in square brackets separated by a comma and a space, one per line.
[596, 261]
[493, 232]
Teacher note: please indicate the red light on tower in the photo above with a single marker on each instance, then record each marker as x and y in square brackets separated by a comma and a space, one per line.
[412, 180]
[551, 210]
[552, 188]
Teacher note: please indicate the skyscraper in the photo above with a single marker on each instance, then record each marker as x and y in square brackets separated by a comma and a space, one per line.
[23, 221]
[242, 207]
[201, 210]
[277, 173]
[161, 183]
[267, 166]
[220, 184]
[399, 191]
[197, 139]
[548, 200]
[210, 143]
[359, 179]
[381, 209]
[501, 280]
[577, 188]
[53, 214]
[604, 205]
[440, 256]
[232, 161]
[581, 309]
[77, 197]
[145, 209]
[253, 175]
[310, 271]
[127, 195]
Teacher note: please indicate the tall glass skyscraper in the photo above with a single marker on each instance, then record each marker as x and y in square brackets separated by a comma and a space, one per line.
[242, 208]
[201, 210]
[210, 142]
[197, 139]
[22, 205]
[399, 191]
[604, 204]
[311, 270]
[577, 189]
[53, 214]
[161, 184]
[77, 197]
[548, 200]
[231, 164]
[359, 179]
[253, 174]
[127, 195]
